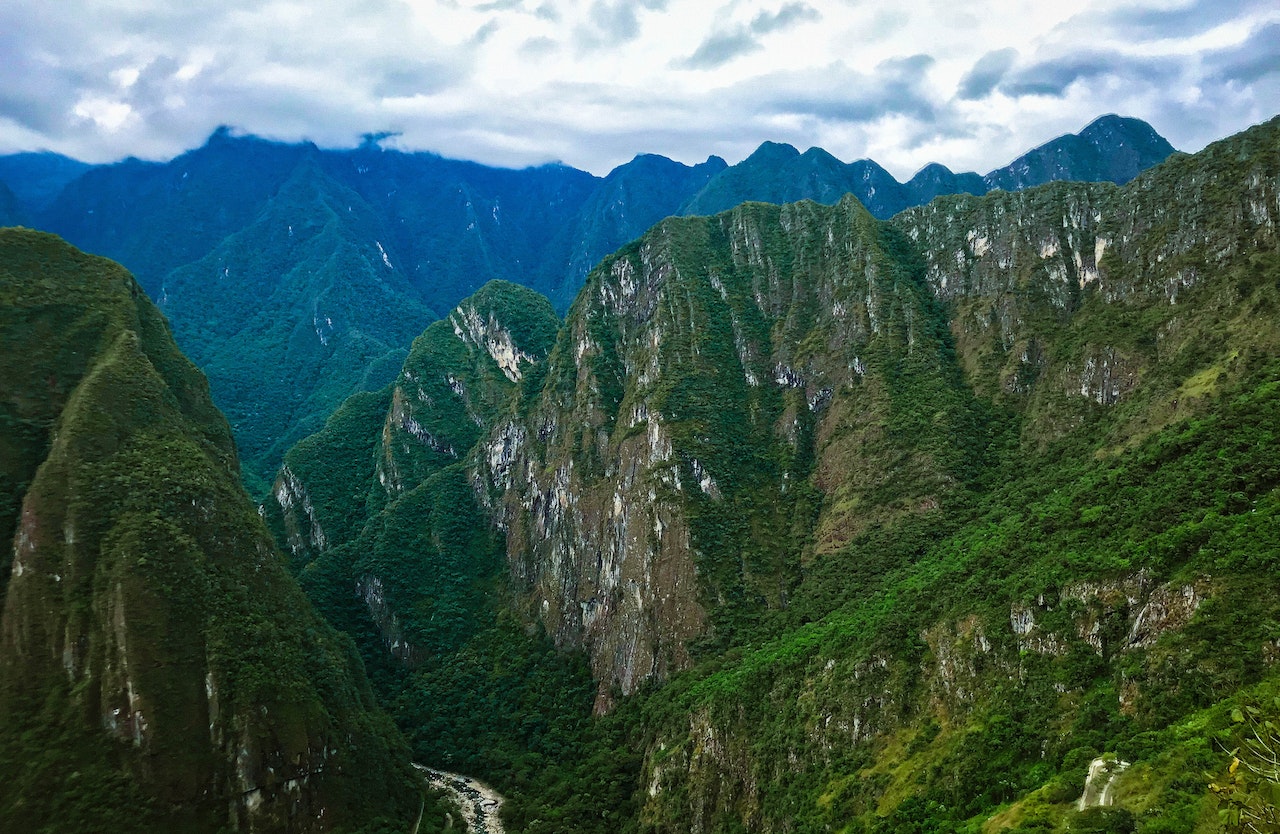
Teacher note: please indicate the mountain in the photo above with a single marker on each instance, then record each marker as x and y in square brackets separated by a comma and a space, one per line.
[622, 207]
[155, 217]
[1110, 149]
[208, 236]
[11, 213]
[857, 524]
[456, 225]
[389, 538]
[159, 669]
[778, 173]
[295, 312]
[935, 180]
[37, 178]
[267, 255]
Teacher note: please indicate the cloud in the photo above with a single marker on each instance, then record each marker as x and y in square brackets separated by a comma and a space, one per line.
[1181, 21]
[785, 17]
[611, 22]
[721, 48]
[1254, 59]
[726, 43]
[983, 77]
[837, 93]
[1054, 76]
[593, 82]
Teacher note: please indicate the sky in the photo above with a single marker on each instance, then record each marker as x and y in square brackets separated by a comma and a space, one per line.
[591, 83]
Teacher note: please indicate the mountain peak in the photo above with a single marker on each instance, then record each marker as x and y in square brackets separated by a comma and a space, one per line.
[1112, 131]
[773, 152]
[1111, 148]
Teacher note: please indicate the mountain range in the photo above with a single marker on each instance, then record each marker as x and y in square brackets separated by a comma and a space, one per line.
[943, 523]
[954, 516]
[277, 227]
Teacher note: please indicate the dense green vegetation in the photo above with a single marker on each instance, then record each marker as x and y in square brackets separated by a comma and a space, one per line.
[951, 544]
[296, 276]
[159, 669]
[981, 525]
[293, 314]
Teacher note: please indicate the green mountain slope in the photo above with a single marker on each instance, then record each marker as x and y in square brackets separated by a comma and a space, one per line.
[393, 545]
[714, 381]
[155, 217]
[11, 213]
[159, 669]
[294, 313]
[456, 225]
[858, 525]
[1099, 596]
[933, 512]
[622, 207]
[207, 235]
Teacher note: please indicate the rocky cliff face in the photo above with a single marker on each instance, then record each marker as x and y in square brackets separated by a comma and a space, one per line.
[726, 382]
[1100, 319]
[708, 379]
[1070, 294]
[721, 764]
[158, 668]
[934, 511]
[387, 468]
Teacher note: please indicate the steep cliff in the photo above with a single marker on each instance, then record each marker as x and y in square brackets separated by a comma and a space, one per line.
[1105, 593]
[860, 525]
[265, 255]
[729, 398]
[158, 667]
[392, 544]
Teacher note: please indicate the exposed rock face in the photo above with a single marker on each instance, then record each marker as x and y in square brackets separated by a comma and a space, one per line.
[705, 374]
[304, 527]
[195, 688]
[1099, 784]
[1019, 269]
[374, 482]
[710, 769]
[718, 367]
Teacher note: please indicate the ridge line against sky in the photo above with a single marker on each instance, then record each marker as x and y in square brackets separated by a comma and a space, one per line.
[592, 83]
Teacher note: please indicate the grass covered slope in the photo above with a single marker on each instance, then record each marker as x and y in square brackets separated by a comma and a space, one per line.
[159, 669]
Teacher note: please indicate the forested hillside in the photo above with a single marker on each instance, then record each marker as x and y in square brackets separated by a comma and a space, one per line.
[319, 266]
[856, 525]
[159, 668]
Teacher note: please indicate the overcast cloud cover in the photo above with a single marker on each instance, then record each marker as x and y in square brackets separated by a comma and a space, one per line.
[594, 82]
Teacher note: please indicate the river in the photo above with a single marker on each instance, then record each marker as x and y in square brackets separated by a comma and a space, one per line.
[480, 804]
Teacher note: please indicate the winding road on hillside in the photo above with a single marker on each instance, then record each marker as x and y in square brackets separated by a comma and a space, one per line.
[480, 804]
